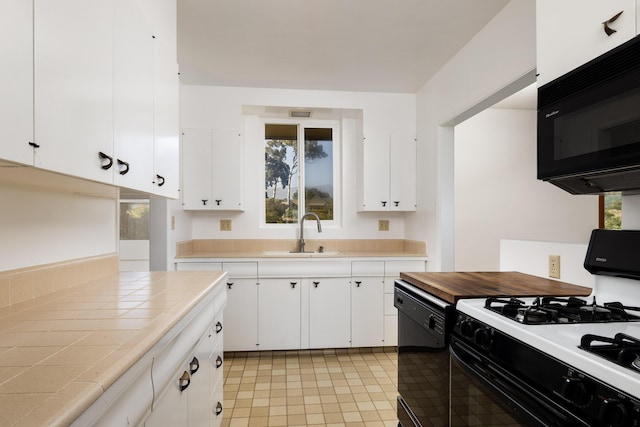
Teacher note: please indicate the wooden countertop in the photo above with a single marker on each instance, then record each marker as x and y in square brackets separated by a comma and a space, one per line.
[60, 352]
[452, 286]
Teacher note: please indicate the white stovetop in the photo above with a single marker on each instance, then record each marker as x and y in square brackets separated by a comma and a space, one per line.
[562, 341]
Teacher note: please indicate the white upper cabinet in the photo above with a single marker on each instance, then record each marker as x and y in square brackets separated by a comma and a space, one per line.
[570, 33]
[387, 173]
[16, 81]
[133, 98]
[166, 139]
[73, 87]
[212, 169]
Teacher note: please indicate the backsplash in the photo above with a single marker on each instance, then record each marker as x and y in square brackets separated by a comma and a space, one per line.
[23, 284]
[189, 247]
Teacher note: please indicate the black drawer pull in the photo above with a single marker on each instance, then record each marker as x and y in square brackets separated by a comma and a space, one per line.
[218, 408]
[109, 159]
[126, 167]
[293, 284]
[194, 365]
[315, 284]
[229, 285]
[218, 327]
[184, 381]
[358, 283]
[160, 180]
[218, 361]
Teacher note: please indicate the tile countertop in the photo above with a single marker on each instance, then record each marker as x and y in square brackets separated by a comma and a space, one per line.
[60, 352]
[286, 254]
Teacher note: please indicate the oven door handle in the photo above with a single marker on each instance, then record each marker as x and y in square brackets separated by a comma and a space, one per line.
[519, 398]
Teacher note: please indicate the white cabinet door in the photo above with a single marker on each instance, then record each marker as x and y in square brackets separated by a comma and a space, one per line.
[133, 98]
[196, 169]
[171, 408]
[329, 313]
[571, 32]
[227, 171]
[16, 81]
[241, 315]
[166, 141]
[73, 86]
[375, 158]
[402, 173]
[199, 390]
[279, 314]
[367, 314]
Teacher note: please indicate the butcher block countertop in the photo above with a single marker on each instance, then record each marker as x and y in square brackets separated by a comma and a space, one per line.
[452, 286]
[60, 352]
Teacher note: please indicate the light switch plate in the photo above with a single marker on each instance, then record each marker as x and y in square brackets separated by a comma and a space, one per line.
[225, 225]
[383, 225]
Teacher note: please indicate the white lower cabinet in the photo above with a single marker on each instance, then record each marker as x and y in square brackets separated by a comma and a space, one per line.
[241, 314]
[329, 312]
[367, 312]
[279, 304]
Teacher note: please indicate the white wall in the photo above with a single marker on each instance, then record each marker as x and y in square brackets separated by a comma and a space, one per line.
[39, 226]
[497, 195]
[501, 55]
[221, 107]
[532, 257]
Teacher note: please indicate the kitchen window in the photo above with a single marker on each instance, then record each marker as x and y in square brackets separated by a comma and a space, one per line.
[300, 156]
[611, 211]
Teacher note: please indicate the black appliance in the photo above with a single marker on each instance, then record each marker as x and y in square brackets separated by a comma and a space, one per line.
[424, 327]
[589, 125]
[552, 361]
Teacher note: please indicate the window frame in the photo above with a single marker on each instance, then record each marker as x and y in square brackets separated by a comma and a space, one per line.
[337, 169]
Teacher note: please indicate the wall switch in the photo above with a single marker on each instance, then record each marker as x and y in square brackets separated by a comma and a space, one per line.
[225, 225]
[554, 266]
[383, 225]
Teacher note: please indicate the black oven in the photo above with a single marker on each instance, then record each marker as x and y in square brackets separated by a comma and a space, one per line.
[424, 326]
[589, 125]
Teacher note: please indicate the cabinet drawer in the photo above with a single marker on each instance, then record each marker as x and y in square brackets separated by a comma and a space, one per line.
[216, 370]
[198, 266]
[393, 268]
[216, 403]
[241, 269]
[367, 268]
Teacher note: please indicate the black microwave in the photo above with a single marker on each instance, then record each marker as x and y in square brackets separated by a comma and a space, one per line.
[589, 125]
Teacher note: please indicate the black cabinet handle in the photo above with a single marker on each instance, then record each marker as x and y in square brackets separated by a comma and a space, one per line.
[204, 202]
[184, 381]
[218, 362]
[396, 203]
[293, 284]
[218, 327]
[34, 145]
[126, 167]
[194, 365]
[160, 180]
[358, 282]
[229, 285]
[218, 202]
[608, 30]
[109, 159]
[218, 408]
[315, 284]
[383, 203]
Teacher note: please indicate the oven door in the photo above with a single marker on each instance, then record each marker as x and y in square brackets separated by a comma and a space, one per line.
[484, 394]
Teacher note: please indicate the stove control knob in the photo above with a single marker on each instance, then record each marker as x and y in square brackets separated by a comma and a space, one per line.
[468, 328]
[615, 413]
[576, 391]
[431, 322]
[483, 337]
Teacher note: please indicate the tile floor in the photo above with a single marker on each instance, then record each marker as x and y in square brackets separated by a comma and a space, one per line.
[323, 387]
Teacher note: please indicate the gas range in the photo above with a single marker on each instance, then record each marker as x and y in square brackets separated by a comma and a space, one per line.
[568, 361]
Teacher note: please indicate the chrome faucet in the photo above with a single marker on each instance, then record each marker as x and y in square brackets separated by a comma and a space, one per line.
[301, 248]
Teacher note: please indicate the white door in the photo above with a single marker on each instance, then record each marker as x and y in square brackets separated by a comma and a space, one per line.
[241, 315]
[166, 141]
[227, 171]
[133, 98]
[376, 172]
[279, 314]
[402, 173]
[73, 87]
[196, 169]
[16, 81]
[367, 312]
[329, 313]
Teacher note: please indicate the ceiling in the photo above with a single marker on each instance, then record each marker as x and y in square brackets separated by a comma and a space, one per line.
[355, 45]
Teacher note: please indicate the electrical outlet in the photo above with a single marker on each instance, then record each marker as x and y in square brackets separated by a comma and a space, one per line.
[225, 225]
[383, 225]
[554, 266]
